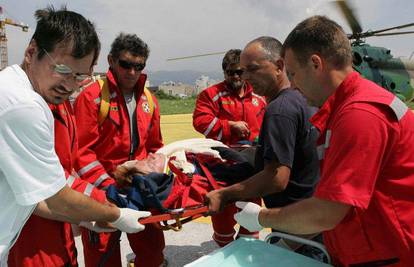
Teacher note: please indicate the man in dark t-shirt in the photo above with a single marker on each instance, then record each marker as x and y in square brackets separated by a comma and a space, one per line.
[288, 137]
[286, 158]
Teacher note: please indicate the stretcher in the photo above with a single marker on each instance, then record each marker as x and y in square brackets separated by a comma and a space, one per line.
[178, 196]
[253, 252]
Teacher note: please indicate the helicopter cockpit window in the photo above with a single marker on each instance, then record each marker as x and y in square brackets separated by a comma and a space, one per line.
[357, 59]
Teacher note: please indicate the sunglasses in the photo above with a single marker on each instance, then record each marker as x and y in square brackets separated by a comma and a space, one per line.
[239, 72]
[128, 65]
[65, 70]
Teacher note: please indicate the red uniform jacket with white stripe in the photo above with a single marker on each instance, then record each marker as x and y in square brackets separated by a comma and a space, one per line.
[103, 147]
[45, 242]
[217, 105]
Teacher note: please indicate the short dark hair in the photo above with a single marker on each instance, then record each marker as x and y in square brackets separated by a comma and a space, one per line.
[271, 46]
[231, 57]
[319, 35]
[131, 43]
[65, 27]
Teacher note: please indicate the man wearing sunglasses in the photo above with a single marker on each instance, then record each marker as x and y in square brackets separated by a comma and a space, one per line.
[60, 55]
[231, 113]
[129, 131]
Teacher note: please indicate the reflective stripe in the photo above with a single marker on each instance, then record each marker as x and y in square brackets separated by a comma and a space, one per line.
[328, 138]
[70, 180]
[216, 97]
[210, 126]
[398, 107]
[88, 190]
[321, 151]
[88, 167]
[220, 135]
[101, 179]
[224, 235]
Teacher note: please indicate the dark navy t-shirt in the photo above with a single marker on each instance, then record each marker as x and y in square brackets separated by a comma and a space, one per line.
[288, 137]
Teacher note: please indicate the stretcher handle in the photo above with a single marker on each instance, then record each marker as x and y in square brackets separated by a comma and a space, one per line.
[189, 212]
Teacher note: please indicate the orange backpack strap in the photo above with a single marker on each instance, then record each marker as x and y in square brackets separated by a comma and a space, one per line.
[104, 104]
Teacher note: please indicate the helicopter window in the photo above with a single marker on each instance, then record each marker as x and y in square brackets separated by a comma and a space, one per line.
[357, 60]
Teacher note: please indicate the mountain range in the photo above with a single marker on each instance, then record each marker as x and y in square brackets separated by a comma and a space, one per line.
[185, 76]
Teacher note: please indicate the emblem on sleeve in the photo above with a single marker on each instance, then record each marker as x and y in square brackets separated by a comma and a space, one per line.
[255, 102]
[146, 107]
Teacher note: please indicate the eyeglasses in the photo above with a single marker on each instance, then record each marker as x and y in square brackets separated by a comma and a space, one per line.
[65, 70]
[239, 72]
[128, 65]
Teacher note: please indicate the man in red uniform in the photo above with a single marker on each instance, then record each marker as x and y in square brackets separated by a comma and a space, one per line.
[130, 130]
[364, 200]
[32, 248]
[231, 113]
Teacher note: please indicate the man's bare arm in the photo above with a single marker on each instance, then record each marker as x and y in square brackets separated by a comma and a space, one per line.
[68, 203]
[308, 216]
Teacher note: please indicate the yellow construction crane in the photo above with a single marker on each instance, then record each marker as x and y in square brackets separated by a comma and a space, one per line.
[3, 38]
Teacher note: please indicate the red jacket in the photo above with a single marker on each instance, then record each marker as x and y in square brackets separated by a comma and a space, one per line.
[103, 147]
[217, 105]
[366, 147]
[32, 248]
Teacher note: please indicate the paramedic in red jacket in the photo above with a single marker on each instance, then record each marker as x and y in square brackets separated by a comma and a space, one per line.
[130, 130]
[364, 201]
[229, 111]
[32, 248]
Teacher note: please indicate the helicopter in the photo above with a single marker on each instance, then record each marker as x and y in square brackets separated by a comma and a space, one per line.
[377, 63]
[372, 62]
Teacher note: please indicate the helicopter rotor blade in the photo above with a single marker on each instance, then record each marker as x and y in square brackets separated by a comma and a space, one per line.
[393, 28]
[193, 56]
[349, 16]
[392, 33]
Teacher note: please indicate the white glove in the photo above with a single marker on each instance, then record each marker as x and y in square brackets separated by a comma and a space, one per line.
[248, 217]
[128, 220]
[93, 226]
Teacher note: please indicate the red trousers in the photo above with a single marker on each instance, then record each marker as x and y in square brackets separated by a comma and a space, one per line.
[44, 243]
[223, 225]
[147, 245]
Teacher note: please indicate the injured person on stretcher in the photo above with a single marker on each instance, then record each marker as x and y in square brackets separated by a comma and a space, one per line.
[179, 175]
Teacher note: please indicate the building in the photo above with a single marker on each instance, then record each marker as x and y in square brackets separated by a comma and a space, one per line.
[177, 89]
[203, 82]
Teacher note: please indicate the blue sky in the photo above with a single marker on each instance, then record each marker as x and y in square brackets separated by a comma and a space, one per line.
[174, 28]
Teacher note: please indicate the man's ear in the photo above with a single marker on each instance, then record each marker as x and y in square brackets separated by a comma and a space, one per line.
[111, 61]
[316, 62]
[280, 65]
[30, 52]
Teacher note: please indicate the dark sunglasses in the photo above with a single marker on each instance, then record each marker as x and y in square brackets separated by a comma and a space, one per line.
[232, 72]
[128, 65]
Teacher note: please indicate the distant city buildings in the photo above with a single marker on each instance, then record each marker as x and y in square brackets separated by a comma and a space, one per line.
[177, 89]
[203, 82]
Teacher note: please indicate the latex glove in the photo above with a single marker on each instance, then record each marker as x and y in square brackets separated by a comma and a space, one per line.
[248, 217]
[93, 226]
[128, 220]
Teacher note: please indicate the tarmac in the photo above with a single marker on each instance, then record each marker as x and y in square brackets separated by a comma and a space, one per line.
[185, 246]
